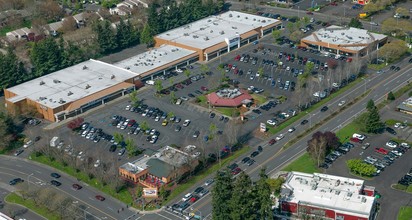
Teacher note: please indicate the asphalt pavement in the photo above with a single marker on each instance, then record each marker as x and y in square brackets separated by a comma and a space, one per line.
[274, 159]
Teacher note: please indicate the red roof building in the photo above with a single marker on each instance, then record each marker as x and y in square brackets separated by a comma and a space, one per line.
[229, 98]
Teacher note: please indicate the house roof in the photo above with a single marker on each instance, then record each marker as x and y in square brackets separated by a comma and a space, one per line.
[159, 168]
[228, 101]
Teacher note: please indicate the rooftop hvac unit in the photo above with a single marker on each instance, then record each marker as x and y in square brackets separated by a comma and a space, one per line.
[246, 18]
[195, 36]
[42, 98]
[222, 32]
[230, 15]
[85, 67]
[206, 38]
[42, 82]
[186, 34]
[254, 19]
[202, 28]
[113, 76]
[88, 86]
[56, 81]
[234, 27]
[211, 31]
[209, 20]
[215, 23]
[61, 101]
[238, 16]
[69, 93]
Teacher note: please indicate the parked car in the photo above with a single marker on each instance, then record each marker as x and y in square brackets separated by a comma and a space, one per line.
[381, 151]
[100, 198]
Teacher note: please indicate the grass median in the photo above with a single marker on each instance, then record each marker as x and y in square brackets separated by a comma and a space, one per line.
[206, 172]
[274, 130]
[30, 204]
[405, 213]
[303, 164]
[123, 195]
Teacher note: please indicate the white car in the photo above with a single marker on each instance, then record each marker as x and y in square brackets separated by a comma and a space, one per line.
[292, 129]
[405, 145]
[285, 114]
[186, 123]
[187, 197]
[184, 98]
[179, 70]
[359, 136]
[28, 144]
[391, 144]
[279, 137]
[250, 88]
[341, 103]
[153, 139]
[397, 153]
[152, 132]
[336, 85]
[397, 125]
[128, 107]
[271, 122]
[97, 163]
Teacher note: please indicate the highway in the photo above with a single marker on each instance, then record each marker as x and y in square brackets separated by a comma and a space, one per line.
[39, 175]
[274, 159]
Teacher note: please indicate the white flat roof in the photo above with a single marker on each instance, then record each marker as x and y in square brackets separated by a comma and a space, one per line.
[345, 36]
[329, 192]
[154, 58]
[49, 89]
[213, 30]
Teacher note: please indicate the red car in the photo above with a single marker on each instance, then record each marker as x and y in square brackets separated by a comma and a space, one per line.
[272, 141]
[236, 171]
[309, 13]
[180, 86]
[194, 199]
[381, 151]
[356, 140]
[131, 123]
[203, 88]
[237, 58]
[334, 4]
[76, 186]
[100, 198]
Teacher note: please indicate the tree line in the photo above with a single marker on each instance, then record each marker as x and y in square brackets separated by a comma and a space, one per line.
[241, 198]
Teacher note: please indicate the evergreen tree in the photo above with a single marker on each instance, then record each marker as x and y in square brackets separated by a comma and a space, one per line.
[221, 195]
[12, 70]
[46, 57]
[106, 38]
[146, 36]
[391, 96]
[370, 105]
[123, 35]
[373, 123]
[263, 201]
[242, 198]
[153, 20]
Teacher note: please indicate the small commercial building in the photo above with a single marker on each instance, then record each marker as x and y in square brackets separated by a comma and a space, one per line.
[72, 90]
[346, 41]
[323, 196]
[219, 34]
[229, 98]
[406, 106]
[158, 169]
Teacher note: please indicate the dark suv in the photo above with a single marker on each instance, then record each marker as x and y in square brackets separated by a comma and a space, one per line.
[324, 109]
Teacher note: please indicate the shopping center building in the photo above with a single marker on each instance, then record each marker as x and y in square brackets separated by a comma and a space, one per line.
[346, 41]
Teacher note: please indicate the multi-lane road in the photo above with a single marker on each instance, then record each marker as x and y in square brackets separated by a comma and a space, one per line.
[273, 159]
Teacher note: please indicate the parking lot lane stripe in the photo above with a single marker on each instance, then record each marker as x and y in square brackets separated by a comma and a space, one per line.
[163, 216]
[139, 217]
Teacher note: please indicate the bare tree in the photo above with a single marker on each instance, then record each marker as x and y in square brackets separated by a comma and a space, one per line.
[68, 25]
[232, 132]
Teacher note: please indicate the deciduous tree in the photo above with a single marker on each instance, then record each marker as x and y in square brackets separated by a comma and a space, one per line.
[354, 22]
[317, 149]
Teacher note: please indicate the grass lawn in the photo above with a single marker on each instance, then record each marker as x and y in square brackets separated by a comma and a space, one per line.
[195, 179]
[405, 213]
[260, 99]
[123, 195]
[202, 100]
[347, 131]
[228, 111]
[29, 204]
[303, 164]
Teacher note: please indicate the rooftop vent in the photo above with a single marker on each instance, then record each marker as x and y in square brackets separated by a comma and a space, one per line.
[215, 23]
[246, 17]
[41, 98]
[234, 27]
[202, 28]
[222, 32]
[363, 199]
[238, 16]
[112, 76]
[61, 101]
[56, 81]
[209, 20]
[88, 86]
[211, 31]
[195, 36]
[254, 19]
[42, 82]
[69, 93]
[85, 67]
[230, 15]
[206, 38]
[186, 34]
[263, 21]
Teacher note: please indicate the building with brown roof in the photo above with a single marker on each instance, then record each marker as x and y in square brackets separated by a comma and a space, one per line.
[219, 34]
[229, 98]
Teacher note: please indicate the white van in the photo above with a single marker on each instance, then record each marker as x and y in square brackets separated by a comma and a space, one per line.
[178, 101]
[150, 82]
